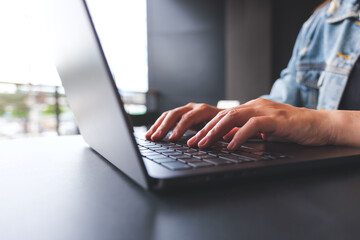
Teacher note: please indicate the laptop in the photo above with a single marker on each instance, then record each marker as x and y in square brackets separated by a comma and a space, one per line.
[105, 126]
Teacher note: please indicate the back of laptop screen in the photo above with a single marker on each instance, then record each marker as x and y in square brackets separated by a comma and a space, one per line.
[90, 89]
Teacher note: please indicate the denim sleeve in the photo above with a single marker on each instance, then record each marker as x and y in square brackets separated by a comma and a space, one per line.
[286, 89]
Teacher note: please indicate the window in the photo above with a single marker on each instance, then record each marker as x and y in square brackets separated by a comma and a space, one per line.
[32, 101]
[121, 26]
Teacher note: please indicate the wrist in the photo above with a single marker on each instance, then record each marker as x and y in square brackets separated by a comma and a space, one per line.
[330, 123]
[344, 127]
[322, 127]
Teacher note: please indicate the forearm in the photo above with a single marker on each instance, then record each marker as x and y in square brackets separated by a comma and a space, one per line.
[346, 127]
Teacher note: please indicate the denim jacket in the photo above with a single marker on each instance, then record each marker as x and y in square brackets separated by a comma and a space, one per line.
[325, 51]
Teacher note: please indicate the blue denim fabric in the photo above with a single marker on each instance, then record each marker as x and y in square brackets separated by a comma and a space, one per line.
[325, 51]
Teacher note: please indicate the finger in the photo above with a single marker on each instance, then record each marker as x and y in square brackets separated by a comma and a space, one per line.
[230, 134]
[234, 118]
[228, 137]
[193, 142]
[155, 126]
[222, 127]
[168, 123]
[188, 120]
[250, 128]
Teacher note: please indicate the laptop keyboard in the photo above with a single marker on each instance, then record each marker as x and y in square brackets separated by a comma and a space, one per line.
[178, 156]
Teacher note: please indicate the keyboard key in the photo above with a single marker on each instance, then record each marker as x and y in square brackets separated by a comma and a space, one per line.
[177, 156]
[200, 164]
[225, 151]
[192, 150]
[140, 141]
[157, 156]
[199, 153]
[165, 144]
[176, 165]
[189, 160]
[235, 159]
[251, 157]
[178, 147]
[158, 149]
[182, 157]
[173, 154]
[166, 151]
[218, 161]
[181, 149]
[163, 160]
[269, 156]
[207, 156]
[214, 152]
[148, 155]
[148, 144]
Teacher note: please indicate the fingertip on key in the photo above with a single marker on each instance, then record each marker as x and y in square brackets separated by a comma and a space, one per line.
[203, 143]
[172, 138]
[231, 146]
[191, 141]
[148, 135]
[156, 136]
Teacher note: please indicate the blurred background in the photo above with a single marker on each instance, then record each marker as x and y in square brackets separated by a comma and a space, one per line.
[32, 100]
[162, 53]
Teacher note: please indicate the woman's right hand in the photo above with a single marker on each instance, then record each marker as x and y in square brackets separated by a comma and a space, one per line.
[181, 119]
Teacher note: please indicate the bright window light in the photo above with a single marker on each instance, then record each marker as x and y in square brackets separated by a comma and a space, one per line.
[25, 57]
[32, 101]
[121, 26]
[26, 48]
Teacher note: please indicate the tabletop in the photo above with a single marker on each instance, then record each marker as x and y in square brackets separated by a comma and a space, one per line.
[58, 188]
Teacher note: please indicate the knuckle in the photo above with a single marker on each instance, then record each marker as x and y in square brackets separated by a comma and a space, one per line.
[170, 115]
[202, 106]
[254, 121]
[221, 113]
[251, 101]
[176, 109]
[232, 113]
[212, 131]
[190, 104]
[174, 113]
[259, 101]
[188, 116]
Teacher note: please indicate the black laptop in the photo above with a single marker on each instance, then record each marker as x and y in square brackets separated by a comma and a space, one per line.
[103, 122]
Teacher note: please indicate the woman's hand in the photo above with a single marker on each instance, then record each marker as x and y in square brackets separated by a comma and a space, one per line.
[181, 119]
[273, 121]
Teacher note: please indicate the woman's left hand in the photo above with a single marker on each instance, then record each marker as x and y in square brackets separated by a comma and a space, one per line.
[273, 121]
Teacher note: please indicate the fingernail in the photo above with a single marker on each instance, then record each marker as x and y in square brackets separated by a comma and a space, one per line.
[156, 134]
[191, 140]
[172, 136]
[203, 142]
[231, 146]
